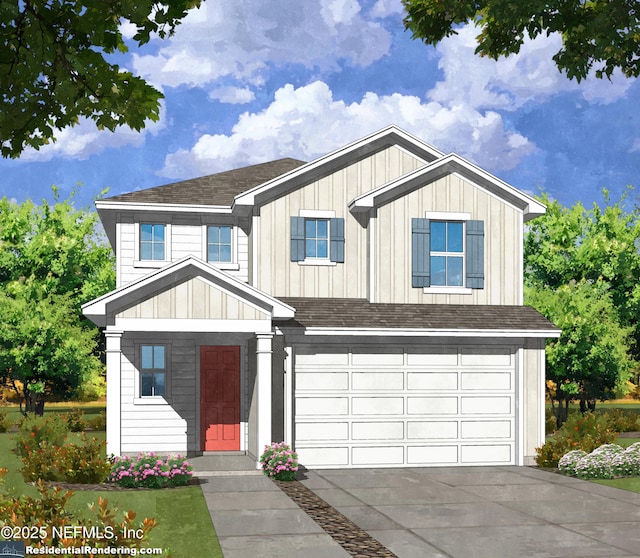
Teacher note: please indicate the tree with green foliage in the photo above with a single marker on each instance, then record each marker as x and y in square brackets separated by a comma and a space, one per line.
[603, 35]
[580, 270]
[597, 245]
[591, 359]
[52, 260]
[55, 68]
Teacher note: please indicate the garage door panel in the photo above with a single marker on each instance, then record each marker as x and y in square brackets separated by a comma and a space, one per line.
[492, 381]
[330, 356]
[377, 380]
[432, 405]
[426, 381]
[377, 357]
[374, 456]
[432, 430]
[486, 405]
[487, 429]
[324, 457]
[432, 357]
[378, 406]
[331, 406]
[489, 356]
[377, 431]
[321, 431]
[487, 454]
[432, 455]
[322, 380]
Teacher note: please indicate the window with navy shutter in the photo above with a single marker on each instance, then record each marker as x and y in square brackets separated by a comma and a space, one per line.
[447, 253]
[317, 239]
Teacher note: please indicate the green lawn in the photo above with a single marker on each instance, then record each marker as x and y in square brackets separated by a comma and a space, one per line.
[183, 522]
[630, 483]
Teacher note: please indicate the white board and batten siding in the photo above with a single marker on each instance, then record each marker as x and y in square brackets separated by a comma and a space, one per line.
[358, 407]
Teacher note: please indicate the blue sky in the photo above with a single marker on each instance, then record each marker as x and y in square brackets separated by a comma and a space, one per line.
[252, 81]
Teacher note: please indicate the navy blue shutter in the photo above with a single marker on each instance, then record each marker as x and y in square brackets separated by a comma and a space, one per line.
[297, 239]
[336, 230]
[475, 254]
[420, 276]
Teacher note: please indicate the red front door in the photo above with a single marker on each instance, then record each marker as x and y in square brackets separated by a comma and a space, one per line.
[220, 398]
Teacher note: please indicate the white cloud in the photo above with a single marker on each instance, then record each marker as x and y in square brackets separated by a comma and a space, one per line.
[232, 95]
[289, 127]
[510, 83]
[85, 139]
[239, 40]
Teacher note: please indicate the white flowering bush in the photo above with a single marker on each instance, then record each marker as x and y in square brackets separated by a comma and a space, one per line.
[569, 461]
[279, 462]
[605, 462]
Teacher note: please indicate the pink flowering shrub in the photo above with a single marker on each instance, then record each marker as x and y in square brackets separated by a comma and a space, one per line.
[279, 462]
[149, 471]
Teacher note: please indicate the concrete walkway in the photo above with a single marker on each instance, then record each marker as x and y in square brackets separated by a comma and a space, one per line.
[479, 512]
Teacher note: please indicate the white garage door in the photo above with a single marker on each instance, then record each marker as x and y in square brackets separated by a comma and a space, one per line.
[362, 407]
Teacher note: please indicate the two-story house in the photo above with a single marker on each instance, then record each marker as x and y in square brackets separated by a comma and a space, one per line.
[366, 307]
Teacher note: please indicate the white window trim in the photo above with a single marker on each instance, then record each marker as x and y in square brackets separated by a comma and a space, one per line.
[451, 216]
[156, 264]
[139, 399]
[319, 214]
[233, 265]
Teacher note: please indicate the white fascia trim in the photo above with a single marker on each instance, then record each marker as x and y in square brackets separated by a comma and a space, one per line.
[249, 197]
[163, 207]
[192, 325]
[415, 332]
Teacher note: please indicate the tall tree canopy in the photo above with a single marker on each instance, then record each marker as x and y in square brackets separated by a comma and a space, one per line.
[54, 68]
[52, 260]
[581, 271]
[599, 34]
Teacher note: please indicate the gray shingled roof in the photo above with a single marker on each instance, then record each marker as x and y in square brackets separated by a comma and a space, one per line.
[215, 189]
[359, 313]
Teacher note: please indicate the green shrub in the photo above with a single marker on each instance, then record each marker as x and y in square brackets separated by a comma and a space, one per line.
[549, 422]
[34, 430]
[99, 422]
[5, 422]
[580, 432]
[82, 463]
[47, 514]
[623, 421]
[149, 471]
[74, 420]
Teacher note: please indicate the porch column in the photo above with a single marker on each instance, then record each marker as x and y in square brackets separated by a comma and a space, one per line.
[114, 396]
[263, 359]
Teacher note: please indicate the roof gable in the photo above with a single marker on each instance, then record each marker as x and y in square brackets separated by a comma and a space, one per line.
[448, 164]
[334, 161]
[101, 309]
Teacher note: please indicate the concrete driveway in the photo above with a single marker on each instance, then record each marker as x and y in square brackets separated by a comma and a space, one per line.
[479, 512]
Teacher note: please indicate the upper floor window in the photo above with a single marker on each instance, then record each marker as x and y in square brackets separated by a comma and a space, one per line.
[220, 244]
[316, 240]
[152, 242]
[152, 370]
[446, 253]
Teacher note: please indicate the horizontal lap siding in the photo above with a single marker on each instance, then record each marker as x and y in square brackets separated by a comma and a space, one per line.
[166, 427]
[278, 276]
[503, 236]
